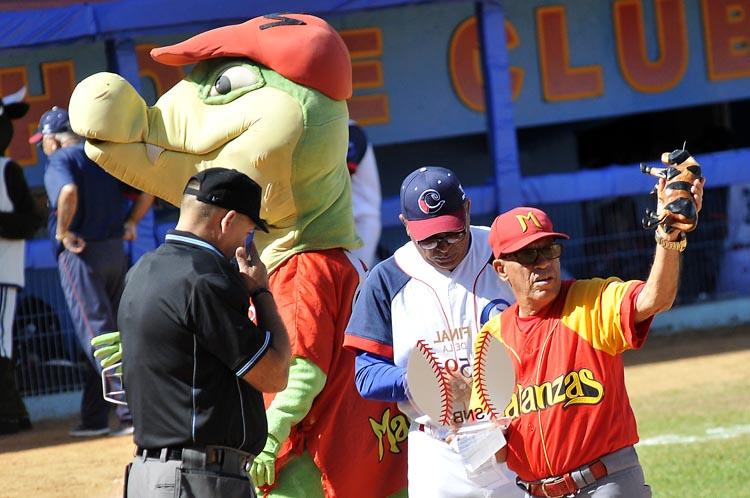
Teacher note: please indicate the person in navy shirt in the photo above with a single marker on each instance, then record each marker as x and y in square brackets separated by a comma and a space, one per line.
[87, 227]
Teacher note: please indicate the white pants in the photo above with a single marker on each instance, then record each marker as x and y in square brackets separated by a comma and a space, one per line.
[7, 313]
[436, 471]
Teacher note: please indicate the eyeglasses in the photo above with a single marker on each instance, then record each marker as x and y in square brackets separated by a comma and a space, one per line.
[530, 255]
[432, 242]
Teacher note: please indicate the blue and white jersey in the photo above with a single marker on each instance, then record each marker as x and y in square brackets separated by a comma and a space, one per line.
[405, 299]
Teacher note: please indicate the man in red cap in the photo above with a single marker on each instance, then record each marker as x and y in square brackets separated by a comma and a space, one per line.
[573, 430]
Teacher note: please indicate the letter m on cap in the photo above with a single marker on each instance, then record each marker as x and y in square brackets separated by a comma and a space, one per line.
[522, 219]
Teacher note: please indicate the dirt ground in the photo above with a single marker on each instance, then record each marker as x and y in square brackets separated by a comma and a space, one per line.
[45, 462]
[669, 362]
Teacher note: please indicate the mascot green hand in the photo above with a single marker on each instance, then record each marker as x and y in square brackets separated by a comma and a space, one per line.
[108, 349]
[263, 470]
[288, 408]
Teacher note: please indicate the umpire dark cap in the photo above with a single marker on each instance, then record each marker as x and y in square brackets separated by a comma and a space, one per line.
[230, 189]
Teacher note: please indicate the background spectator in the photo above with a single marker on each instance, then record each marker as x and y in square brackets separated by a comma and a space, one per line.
[19, 219]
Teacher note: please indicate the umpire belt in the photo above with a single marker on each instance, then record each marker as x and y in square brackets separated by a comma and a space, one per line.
[214, 458]
[572, 482]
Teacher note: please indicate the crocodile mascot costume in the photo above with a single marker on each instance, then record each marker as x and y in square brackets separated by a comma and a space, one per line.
[268, 98]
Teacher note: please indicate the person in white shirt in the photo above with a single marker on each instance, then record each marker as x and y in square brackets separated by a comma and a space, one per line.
[438, 288]
[366, 197]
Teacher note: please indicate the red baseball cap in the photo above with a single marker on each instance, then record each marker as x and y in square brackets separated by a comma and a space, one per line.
[300, 47]
[519, 227]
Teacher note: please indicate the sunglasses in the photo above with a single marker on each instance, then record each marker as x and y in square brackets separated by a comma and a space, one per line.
[432, 242]
[530, 255]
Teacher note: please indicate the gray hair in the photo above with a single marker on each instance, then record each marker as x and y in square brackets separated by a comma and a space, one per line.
[190, 202]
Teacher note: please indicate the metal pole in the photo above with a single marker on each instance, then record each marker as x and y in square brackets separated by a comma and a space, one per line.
[501, 129]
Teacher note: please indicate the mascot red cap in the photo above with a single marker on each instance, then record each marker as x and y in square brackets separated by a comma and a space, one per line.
[308, 58]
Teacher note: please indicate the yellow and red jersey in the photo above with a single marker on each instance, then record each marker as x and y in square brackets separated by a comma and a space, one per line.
[570, 405]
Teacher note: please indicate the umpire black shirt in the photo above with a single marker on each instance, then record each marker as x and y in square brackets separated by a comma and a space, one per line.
[187, 341]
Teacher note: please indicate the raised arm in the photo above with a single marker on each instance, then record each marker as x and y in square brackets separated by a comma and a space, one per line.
[271, 373]
[660, 290]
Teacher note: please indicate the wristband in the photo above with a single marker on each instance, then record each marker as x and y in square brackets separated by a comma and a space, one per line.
[60, 237]
[676, 245]
[258, 291]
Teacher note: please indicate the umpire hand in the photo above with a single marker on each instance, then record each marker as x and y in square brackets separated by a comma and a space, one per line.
[251, 268]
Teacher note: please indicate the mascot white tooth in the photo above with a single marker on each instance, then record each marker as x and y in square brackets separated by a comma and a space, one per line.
[267, 97]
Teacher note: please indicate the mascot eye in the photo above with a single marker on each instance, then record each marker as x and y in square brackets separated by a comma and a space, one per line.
[222, 86]
[232, 79]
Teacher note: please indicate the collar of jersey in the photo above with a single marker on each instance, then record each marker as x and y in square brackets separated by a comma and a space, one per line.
[190, 239]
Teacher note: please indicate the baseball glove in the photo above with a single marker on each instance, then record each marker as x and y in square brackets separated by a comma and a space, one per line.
[676, 209]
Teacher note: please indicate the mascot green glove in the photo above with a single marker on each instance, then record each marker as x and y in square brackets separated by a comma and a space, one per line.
[268, 98]
[108, 349]
[263, 469]
[288, 409]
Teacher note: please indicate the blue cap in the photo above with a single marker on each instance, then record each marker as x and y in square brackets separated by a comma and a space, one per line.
[432, 201]
[357, 147]
[55, 120]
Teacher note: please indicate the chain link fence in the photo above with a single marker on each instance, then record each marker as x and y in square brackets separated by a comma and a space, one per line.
[48, 358]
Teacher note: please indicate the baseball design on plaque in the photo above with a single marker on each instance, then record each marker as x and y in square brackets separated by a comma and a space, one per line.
[429, 385]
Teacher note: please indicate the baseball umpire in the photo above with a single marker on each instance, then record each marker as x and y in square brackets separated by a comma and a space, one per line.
[573, 429]
[194, 364]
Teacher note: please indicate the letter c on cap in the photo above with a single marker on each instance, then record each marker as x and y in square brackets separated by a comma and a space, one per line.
[430, 202]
